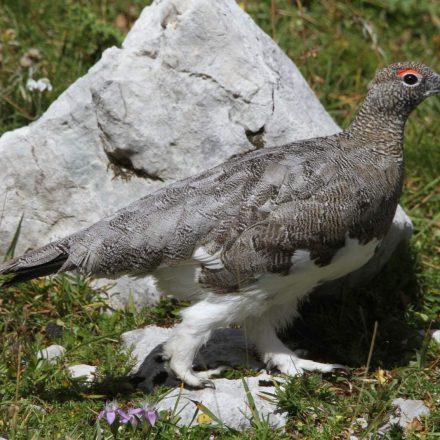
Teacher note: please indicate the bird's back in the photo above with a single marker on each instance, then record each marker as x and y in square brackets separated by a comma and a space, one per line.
[311, 193]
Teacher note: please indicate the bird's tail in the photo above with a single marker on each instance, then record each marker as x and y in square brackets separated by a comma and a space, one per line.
[39, 262]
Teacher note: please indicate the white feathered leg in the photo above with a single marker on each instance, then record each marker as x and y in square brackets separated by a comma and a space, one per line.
[261, 332]
[192, 333]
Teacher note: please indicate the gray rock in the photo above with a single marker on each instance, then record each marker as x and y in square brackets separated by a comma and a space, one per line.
[435, 334]
[36, 409]
[194, 83]
[228, 402]
[227, 347]
[51, 353]
[406, 410]
[82, 370]
[142, 341]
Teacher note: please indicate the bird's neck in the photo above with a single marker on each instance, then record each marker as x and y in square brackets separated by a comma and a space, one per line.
[380, 130]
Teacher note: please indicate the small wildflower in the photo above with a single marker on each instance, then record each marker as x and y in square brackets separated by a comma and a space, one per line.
[34, 54]
[25, 61]
[148, 412]
[132, 416]
[41, 85]
[121, 21]
[9, 34]
[203, 419]
[362, 422]
[133, 12]
[110, 412]
[382, 376]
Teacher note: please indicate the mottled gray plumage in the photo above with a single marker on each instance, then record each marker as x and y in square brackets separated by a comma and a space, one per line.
[254, 214]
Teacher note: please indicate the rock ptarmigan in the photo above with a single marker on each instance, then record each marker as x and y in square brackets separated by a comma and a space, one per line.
[246, 240]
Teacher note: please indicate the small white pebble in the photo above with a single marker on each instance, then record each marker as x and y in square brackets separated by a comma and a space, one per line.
[362, 422]
[51, 353]
[82, 370]
[37, 408]
[436, 335]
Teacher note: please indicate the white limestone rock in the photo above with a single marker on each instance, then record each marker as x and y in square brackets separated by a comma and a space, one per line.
[51, 353]
[228, 402]
[84, 371]
[435, 334]
[406, 410]
[194, 83]
[227, 346]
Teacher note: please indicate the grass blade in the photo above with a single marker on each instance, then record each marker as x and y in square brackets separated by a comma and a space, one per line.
[11, 249]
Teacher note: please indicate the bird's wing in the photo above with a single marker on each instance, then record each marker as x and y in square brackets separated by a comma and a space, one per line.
[217, 210]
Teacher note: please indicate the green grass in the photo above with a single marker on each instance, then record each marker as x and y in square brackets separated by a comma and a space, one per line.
[337, 46]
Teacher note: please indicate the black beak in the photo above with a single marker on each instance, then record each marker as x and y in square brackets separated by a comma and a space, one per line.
[433, 85]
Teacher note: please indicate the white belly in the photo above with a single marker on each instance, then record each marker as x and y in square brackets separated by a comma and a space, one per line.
[270, 290]
[305, 275]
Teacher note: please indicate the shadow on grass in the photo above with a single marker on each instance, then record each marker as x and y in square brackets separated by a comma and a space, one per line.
[339, 328]
[110, 387]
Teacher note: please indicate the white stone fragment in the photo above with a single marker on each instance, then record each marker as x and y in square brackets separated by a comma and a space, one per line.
[82, 370]
[51, 353]
[435, 334]
[143, 340]
[361, 421]
[228, 402]
[406, 410]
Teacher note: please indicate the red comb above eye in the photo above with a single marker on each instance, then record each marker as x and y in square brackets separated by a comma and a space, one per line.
[405, 71]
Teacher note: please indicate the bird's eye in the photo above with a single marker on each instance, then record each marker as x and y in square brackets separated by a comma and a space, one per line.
[410, 79]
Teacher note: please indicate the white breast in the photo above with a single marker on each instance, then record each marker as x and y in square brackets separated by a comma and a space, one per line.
[270, 290]
[347, 259]
[305, 274]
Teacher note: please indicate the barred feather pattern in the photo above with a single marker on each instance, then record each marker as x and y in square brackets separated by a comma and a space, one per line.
[257, 209]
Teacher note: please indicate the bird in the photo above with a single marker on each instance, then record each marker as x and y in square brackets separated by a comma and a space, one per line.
[244, 242]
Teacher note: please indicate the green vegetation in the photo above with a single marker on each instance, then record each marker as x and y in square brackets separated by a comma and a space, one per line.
[337, 46]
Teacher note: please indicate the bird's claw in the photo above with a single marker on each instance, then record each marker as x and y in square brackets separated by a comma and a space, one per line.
[208, 384]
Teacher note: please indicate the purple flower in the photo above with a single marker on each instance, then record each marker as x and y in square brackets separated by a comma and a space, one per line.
[110, 412]
[151, 416]
[146, 411]
[149, 412]
[132, 416]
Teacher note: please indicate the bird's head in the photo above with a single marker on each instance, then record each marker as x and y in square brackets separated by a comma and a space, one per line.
[400, 87]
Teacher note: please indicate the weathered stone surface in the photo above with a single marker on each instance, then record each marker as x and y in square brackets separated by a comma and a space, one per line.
[406, 410]
[51, 353]
[227, 346]
[84, 371]
[435, 334]
[228, 401]
[194, 83]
